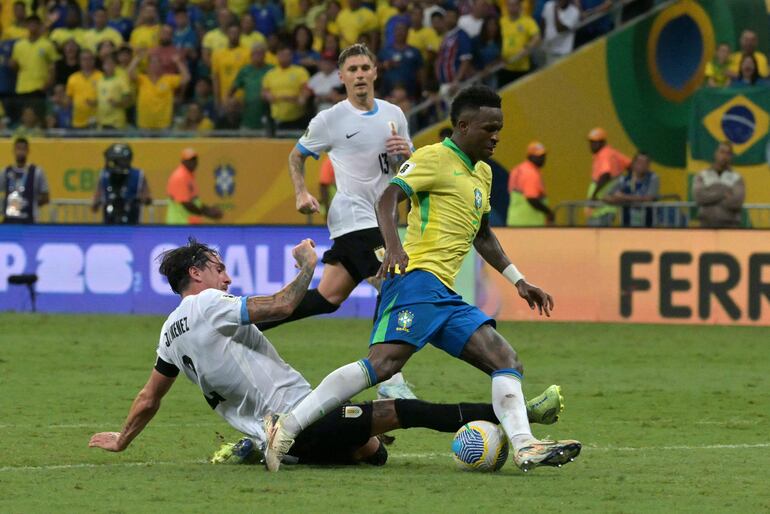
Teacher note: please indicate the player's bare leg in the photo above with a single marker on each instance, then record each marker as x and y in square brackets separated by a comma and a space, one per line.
[490, 352]
[336, 283]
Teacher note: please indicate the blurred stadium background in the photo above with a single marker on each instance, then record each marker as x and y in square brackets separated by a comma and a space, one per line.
[642, 83]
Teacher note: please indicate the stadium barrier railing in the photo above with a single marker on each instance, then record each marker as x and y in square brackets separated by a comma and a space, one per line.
[135, 133]
[68, 210]
[662, 214]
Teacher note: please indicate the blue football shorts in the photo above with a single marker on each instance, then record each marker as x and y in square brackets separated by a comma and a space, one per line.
[417, 308]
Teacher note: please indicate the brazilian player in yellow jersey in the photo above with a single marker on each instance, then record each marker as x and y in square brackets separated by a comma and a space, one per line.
[448, 184]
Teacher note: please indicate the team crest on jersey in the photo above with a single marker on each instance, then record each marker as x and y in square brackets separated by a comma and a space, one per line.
[352, 411]
[477, 198]
[406, 168]
[405, 319]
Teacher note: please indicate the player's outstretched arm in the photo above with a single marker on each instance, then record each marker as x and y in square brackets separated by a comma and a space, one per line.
[387, 218]
[282, 304]
[306, 203]
[489, 248]
[145, 405]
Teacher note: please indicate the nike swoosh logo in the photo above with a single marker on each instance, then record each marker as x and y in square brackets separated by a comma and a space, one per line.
[458, 173]
[348, 136]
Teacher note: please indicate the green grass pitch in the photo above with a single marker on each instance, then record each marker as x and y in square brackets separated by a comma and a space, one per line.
[672, 418]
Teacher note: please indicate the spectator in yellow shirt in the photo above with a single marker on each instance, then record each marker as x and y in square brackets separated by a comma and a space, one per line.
[30, 125]
[33, 57]
[386, 10]
[17, 28]
[118, 19]
[216, 38]
[113, 96]
[294, 11]
[333, 9]
[250, 36]
[71, 30]
[227, 62]
[101, 32]
[355, 21]
[748, 43]
[81, 91]
[284, 89]
[127, 7]
[195, 121]
[145, 35]
[717, 70]
[423, 38]
[155, 92]
[520, 36]
[123, 58]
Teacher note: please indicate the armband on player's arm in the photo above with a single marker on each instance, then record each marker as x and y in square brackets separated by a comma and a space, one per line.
[512, 274]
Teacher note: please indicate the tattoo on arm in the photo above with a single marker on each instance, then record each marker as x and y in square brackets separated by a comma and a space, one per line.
[282, 303]
[297, 170]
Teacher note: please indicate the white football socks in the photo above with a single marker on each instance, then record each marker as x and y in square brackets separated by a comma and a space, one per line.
[510, 409]
[339, 386]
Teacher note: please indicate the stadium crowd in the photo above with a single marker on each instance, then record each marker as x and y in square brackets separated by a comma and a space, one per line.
[744, 67]
[200, 65]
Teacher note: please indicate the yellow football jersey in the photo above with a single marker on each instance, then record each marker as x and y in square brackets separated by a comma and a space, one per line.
[449, 195]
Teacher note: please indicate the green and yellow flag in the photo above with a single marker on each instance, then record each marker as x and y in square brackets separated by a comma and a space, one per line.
[740, 116]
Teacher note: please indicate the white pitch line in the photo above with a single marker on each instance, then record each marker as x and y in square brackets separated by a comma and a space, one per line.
[682, 447]
[730, 422]
[60, 426]
[395, 455]
[103, 465]
[109, 423]
[610, 449]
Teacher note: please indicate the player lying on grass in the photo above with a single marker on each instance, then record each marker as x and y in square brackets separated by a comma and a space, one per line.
[449, 186]
[211, 338]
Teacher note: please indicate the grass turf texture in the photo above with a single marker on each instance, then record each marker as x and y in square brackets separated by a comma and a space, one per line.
[672, 418]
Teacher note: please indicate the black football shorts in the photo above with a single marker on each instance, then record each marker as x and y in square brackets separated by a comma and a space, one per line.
[335, 437]
[359, 252]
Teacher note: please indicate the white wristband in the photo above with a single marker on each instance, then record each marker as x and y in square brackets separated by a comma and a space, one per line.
[512, 274]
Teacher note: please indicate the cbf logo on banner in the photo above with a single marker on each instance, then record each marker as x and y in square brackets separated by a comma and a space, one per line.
[725, 115]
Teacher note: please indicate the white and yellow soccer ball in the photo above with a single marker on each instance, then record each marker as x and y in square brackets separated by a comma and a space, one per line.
[480, 446]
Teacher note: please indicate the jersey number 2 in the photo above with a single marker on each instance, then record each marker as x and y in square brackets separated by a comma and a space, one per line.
[215, 397]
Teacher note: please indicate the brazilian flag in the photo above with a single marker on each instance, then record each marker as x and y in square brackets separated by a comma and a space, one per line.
[740, 116]
[656, 65]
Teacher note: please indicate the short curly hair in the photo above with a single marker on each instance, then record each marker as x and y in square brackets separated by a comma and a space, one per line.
[175, 264]
[473, 97]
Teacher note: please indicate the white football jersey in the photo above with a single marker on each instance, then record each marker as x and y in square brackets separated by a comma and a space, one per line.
[355, 141]
[210, 339]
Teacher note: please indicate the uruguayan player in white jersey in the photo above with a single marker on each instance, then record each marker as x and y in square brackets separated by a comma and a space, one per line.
[364, 137]
[211, 338]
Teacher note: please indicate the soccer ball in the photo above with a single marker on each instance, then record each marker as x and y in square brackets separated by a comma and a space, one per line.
[480, 446]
